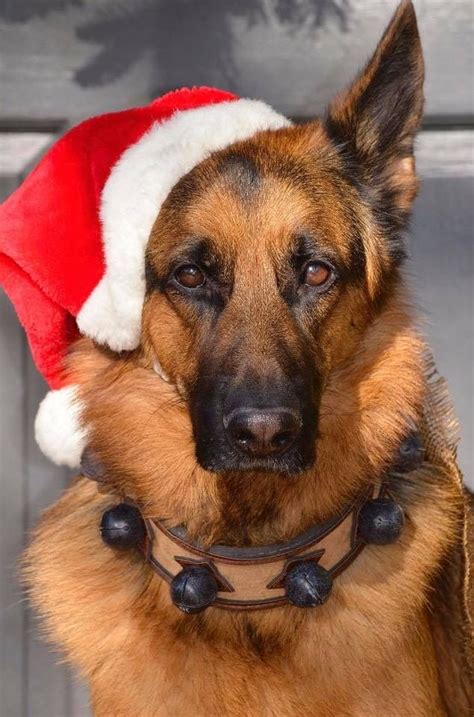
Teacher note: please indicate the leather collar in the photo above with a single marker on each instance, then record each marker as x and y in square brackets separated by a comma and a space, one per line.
[299, 571]
[252, 578]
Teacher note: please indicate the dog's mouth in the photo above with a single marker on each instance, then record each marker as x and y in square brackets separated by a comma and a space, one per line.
[292, 463]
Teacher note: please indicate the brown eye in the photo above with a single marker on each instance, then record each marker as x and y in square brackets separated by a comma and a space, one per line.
[317, 274]
[190, 276]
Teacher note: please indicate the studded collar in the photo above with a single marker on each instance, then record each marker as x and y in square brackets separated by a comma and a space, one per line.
[299, 572]
[259, 577]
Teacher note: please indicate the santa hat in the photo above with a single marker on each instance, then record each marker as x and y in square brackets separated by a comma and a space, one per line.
[73, 235]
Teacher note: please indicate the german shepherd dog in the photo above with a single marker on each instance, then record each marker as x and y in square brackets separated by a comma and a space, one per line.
[276, 307]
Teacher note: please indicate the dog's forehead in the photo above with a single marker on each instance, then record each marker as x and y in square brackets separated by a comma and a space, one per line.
[265, 193]
[244, 204]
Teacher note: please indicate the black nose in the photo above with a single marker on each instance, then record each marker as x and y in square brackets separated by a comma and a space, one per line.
[262, 432]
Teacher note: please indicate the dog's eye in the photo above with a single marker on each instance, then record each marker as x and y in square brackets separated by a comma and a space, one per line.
[190, 276]
[318, 275]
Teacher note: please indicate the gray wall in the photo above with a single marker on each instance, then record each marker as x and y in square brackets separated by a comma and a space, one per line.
[73, 58]
[62, 60]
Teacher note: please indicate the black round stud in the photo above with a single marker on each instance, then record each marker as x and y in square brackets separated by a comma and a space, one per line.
[122, 526]
[194, 589]
[410, 454]
[380, 521]
[307, 584]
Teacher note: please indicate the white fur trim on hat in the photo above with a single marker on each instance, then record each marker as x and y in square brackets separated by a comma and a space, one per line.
[133, 195]
[58, 431]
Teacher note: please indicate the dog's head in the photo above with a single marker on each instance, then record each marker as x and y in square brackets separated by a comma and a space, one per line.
[270, 259]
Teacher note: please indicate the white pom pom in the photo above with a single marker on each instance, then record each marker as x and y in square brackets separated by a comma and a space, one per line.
[58, 431]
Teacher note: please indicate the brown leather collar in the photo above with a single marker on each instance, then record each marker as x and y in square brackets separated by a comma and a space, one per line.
[252, 578]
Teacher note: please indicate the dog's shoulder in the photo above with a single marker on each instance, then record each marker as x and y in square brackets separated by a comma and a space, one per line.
[451, 615]
[82, 589]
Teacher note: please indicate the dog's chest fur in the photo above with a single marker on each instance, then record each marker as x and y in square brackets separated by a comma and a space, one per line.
[363, 652]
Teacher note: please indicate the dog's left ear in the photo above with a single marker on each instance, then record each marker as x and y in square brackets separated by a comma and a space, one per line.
[374, 122]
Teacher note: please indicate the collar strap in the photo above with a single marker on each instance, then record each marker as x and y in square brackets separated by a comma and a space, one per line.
[299, 571]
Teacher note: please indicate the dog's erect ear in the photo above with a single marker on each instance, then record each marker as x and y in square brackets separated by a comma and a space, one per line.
[374, 122]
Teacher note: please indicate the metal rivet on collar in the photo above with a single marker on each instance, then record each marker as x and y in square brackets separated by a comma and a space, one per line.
[380, 521]
[194, 589]
[122, 527]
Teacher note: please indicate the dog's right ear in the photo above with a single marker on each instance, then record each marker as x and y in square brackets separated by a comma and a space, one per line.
[373, 123]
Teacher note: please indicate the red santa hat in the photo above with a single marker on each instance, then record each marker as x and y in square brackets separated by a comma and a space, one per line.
[73, 235]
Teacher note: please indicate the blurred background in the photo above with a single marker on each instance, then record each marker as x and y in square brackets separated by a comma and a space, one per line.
[63, 60]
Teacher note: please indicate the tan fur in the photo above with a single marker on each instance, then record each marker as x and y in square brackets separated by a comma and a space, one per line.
[369, 650]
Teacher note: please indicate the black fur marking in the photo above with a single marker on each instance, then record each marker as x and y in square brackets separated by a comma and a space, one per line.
[185, 190]
[357, 260]
[152, 280]
[386, 290]
[394, 221]
[242, 173]
[260, 645]
[195, 251]
[305, 248]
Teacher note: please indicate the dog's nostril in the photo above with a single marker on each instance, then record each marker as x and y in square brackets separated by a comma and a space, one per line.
[262, 432]
[282, 439]
[243, 436]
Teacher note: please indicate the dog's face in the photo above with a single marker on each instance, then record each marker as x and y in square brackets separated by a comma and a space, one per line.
[256, 270]
[269, 260]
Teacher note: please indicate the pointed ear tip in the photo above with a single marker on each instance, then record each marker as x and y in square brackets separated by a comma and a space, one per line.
[405, 14]
[404, 25]
[406, 7]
